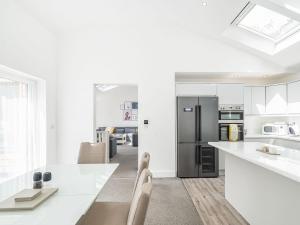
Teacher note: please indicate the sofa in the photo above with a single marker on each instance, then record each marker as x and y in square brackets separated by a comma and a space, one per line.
[119, 136]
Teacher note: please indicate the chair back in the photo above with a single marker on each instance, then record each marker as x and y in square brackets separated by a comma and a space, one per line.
[144, 164]
[141, 198]
[92, 153]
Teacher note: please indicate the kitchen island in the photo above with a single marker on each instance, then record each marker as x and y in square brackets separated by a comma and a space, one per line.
[263, 188]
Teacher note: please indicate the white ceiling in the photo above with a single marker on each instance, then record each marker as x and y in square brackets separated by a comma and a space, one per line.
[211, 20]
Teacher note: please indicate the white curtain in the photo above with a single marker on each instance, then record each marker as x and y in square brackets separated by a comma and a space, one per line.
[22, 128]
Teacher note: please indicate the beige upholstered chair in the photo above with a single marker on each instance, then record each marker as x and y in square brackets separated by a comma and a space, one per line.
[144, 164]
[92, 153]
[121, 213]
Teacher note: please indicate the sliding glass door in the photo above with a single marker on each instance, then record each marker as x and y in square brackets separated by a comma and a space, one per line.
[22, 141]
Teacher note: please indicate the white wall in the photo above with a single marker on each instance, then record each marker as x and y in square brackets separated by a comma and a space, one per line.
[108, 112]
[148, 57]
[27, 46]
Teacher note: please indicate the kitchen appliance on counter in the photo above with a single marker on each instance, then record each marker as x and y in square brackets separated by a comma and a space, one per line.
[293, 129]
[197, 124]
[278, 128]
[231, 122]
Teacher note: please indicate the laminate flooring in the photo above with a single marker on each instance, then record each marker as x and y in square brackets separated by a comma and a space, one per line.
[208, 197]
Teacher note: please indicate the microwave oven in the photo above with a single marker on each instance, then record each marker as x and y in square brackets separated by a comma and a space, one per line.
[275, 129]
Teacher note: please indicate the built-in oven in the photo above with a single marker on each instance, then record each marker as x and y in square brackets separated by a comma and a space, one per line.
[231, 122]
[224, 131]
[231, 114]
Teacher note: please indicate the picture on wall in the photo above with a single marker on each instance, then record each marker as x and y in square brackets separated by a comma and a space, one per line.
[127, 105]
[134, 112]
[130, 111]
[127, 115]
[134, 117]
[134, 105]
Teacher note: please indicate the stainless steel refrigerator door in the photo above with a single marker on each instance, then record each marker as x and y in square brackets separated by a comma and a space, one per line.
[187, 160]
[208, 110]
[186, 119]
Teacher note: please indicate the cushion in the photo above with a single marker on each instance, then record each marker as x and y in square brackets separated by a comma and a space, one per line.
[110, 129]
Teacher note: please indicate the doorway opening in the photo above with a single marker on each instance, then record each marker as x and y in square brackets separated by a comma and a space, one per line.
[116, 115]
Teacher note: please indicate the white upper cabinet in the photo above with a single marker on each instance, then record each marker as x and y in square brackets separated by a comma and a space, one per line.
[258, 100]
[230, 93]
[186, 89]
[254, 100]
[294, 97]
[248, 100]
[276, 99]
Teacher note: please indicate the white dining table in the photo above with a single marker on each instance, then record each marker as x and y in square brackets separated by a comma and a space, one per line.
[79, 186]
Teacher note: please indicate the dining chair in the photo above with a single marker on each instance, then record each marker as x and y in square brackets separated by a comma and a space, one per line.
[90, 153]
[144, 164]
[123, 213]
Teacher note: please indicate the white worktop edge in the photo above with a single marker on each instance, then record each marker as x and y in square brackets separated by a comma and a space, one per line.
[244, 156]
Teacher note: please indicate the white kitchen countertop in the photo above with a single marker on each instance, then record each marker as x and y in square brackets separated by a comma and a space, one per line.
[284, 137]
[287, 164]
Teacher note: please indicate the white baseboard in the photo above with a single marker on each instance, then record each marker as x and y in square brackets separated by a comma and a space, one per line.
[171, 173]
[163, 173]
[221, 172]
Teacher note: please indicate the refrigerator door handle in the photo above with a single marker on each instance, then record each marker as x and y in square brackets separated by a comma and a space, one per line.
[199, 125]
[196, 154]
[199, 154]
[196, 126]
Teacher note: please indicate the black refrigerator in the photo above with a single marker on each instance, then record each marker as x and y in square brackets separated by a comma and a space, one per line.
[197, 124]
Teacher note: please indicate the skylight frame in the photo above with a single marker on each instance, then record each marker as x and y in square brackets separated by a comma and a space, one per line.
[247, 9]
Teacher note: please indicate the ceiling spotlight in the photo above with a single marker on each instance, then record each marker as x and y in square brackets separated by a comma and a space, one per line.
[204, 3]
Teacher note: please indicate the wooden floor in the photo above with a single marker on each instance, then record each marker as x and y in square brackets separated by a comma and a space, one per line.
[208, 197]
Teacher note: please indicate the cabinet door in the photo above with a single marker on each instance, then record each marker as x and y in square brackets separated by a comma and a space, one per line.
[196, 89]
[276, 99]
[258, 100]
[294, 97]
[248, 100]
[230, 93]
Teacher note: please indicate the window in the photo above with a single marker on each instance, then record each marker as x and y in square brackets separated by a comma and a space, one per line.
[22, 125]
[267, 23]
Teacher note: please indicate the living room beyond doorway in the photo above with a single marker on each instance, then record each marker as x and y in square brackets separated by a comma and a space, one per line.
[116, 116]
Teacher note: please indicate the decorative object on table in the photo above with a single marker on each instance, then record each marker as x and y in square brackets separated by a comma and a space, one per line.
[37, 184]
[47, 176]
[37, 176]
[269, 150]
[233, 132]
[10, 204]
[27, 195]
[37, 180]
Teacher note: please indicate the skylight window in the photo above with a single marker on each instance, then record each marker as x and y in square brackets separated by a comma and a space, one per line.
[105, 87]
[267, 23]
